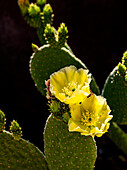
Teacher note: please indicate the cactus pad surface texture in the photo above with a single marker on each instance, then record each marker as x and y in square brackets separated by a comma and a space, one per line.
[20, 154]
[65, 150]
[115, 90]
[17, 153]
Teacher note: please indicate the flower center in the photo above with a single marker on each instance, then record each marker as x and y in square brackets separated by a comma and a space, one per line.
[88, 118]
[69, 89]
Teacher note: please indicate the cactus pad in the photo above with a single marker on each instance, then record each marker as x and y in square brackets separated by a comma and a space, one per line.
[65, 150]
[118, 136]
[48, 60]
[115, 90]
[19, 154]
[2, 121]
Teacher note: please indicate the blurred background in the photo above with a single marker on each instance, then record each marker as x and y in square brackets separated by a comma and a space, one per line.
[97, 35]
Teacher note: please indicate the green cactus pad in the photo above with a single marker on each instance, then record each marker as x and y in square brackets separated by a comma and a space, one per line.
[19, 154]
[67, 150]
[40, 32]
[118, 136]
[48, 60]
[2, 121]
[34, 21]
[115, 91]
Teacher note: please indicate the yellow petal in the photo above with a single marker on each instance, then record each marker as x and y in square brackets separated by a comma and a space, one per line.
[69, 72]
[81, 77]
[73, 127]
[75, 112]
[77, 97]
[90, 103]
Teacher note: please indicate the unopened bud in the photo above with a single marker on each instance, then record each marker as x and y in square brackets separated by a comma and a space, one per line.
[124, 58]
[121, 69]
[34, 47]
[33, 9]
[15, 130]
[55, 107]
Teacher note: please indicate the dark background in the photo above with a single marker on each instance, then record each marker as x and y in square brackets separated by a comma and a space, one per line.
[97, 35]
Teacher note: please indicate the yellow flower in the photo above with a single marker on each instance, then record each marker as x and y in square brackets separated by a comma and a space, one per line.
[70, 85]
[91, 117]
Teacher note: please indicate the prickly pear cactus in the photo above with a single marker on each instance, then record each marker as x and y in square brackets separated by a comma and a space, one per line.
[65, 150]
[53, 56]
[17, 153]
[118, 136]
[37, 15]
[115, 90]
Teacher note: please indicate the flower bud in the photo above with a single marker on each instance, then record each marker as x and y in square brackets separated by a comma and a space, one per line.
[15, 130]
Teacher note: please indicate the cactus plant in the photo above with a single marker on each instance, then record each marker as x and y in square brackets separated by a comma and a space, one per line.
[73, 111]
[115, 90]
[24, 152]
[77, 114]
[46, 60]
[17, 153]
[66, 150]
[53, 56]
[37, 15]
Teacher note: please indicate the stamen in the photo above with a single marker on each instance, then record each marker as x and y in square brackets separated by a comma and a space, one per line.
[88, 118]
[69, 89]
